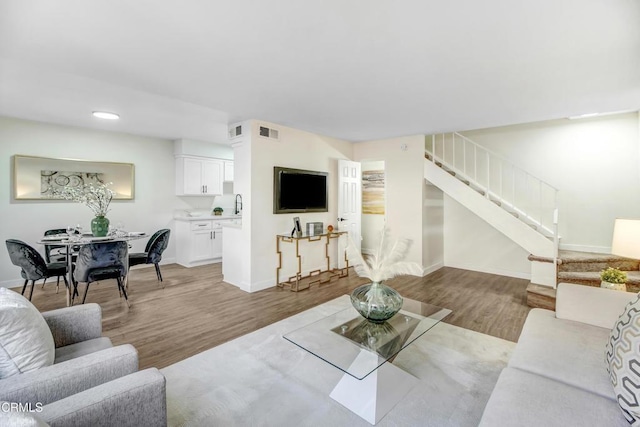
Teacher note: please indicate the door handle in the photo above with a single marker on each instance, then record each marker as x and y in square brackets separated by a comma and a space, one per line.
[342, 219]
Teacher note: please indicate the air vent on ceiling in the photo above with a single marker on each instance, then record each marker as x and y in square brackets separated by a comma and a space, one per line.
[235, 131]
[269, 133]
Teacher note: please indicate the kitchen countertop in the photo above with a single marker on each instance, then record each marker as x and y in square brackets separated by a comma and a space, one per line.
[205, 217]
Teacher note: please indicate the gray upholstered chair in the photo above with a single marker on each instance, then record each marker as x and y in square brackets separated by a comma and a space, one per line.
[33, 265]
[90, 382]
[152, 254]
[102, 261]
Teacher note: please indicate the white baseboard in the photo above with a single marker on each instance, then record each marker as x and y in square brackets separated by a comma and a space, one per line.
[259, 286]
[430, 269]
[493, 270]
[585, 248]
[14, 283]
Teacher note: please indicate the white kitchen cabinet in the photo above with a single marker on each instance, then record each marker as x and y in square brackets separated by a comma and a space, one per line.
[228, 170]
[198, 176]
[198, 242]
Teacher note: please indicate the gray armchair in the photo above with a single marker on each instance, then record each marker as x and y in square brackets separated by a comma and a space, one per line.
[91, 382]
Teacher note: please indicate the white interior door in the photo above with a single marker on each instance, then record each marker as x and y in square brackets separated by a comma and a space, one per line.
[349, 202]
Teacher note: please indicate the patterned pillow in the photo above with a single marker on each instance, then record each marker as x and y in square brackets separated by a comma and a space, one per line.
[26, 342]
[623, 361]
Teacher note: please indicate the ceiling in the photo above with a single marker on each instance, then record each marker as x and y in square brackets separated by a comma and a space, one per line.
[351, 69]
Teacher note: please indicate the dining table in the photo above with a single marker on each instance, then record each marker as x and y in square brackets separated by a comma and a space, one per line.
[78, 240]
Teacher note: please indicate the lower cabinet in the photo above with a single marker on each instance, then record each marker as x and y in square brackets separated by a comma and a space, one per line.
[198, 242]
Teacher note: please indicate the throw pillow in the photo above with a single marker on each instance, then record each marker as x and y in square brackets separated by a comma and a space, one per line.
[26, 342]
[623, 361]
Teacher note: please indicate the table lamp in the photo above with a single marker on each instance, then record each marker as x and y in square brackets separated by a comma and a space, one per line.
[626, 238]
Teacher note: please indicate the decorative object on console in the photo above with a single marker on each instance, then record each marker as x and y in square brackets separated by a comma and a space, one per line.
[297, 228]
[314, 228]
[218, 210]
[376, 301]
[613, 278]
[622, 357]
[329, 228]
[96, 197]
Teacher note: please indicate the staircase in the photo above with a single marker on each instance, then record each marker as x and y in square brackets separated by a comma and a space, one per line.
[582, 268]
[514, 202]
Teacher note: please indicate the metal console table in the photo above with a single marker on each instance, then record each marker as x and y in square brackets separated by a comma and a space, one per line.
[294, 281]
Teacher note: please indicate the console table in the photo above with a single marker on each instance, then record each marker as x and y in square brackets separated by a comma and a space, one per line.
[294, 281]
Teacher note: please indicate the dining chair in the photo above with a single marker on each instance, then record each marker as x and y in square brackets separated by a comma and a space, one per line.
[52, 252]
[102, 261]
[33, 266]
[152, 254]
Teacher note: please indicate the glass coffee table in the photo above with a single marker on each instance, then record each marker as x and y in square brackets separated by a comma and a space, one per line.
[370, 387]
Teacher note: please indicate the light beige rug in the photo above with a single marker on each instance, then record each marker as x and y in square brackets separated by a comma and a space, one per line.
[261, 379]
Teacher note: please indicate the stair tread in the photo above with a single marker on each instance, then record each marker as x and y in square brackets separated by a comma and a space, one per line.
[566, 257]
[633, 277]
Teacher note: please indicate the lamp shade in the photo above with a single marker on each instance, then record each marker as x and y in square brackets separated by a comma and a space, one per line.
[626, 238]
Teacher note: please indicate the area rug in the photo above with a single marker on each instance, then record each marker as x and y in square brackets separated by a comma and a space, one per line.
[261, 379]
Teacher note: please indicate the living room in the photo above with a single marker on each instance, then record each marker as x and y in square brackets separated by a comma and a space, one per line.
[593, 161]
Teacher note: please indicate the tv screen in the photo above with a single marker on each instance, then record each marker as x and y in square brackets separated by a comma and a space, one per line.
[297, 190]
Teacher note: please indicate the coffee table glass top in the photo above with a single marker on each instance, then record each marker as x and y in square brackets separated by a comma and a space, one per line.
[358, 347]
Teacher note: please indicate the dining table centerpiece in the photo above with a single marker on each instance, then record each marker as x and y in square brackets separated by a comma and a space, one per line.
[376, 301]
[96, 197]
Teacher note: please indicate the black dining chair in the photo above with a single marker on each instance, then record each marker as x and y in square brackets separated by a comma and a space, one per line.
[52, 252]
[33, 266]
[152, 254]
[102, 261]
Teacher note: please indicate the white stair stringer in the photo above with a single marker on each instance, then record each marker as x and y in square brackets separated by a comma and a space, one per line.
[519, 232]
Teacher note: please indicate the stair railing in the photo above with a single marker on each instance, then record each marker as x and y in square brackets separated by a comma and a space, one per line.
[529, 198]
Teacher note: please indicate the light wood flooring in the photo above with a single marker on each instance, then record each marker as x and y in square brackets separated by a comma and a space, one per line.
[197, 310]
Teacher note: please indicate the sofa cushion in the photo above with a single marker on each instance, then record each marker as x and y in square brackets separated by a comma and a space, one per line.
[81, 348]
[563, 350]
[524, 399]
[26, 342]
[623, 361]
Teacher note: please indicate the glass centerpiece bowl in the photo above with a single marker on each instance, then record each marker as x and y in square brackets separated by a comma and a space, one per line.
[376, 301]
[96, 197]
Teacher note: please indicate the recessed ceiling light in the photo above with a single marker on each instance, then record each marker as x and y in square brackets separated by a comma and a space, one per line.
[105, 115]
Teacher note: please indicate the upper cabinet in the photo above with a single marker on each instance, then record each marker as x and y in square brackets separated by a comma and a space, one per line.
[199, 176]
[228, 170]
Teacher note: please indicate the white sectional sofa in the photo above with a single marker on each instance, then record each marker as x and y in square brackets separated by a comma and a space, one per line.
[557, 375]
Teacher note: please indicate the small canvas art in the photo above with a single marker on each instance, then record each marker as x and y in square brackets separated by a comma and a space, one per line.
[373, 192]
[56, 180]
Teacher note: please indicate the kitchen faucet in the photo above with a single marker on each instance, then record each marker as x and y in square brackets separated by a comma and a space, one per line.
[238, 207]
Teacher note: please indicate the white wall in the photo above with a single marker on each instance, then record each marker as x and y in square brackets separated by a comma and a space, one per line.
[296, 149]
[472, 244]
[151, 209]
[404, 167]
[595, 163]
[372, 223]
[432, 228]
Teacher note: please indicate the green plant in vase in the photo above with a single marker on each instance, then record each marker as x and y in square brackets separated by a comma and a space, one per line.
[96, 197]
[375, 301]
[613, 278]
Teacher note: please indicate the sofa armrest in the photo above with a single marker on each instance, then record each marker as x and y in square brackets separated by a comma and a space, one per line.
[74, 324]
[587, 304]
[137, 400]
[55, 382]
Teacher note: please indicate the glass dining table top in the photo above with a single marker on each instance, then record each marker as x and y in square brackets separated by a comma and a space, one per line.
[63, 239]
[357, 346]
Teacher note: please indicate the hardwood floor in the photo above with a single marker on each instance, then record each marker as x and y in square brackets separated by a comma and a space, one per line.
[197, 310]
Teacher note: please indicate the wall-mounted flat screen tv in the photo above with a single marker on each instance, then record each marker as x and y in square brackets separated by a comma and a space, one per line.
[297, 190]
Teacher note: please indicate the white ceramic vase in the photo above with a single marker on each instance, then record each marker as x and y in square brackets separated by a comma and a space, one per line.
[613, 286]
